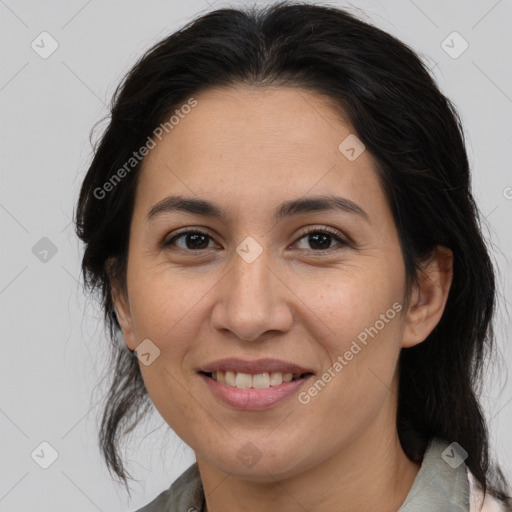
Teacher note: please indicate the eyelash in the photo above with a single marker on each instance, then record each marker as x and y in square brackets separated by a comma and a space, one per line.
[324, 230]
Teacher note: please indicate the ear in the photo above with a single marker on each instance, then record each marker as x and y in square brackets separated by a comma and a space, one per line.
[428, 297]
[122, 306]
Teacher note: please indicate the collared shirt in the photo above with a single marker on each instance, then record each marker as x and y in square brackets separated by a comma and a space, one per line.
[443, 484]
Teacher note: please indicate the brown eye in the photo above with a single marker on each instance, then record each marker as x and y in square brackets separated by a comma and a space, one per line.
[193, 240]
[320, 239]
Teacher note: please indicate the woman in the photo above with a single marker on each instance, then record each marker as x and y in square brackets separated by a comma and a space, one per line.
[280, 222]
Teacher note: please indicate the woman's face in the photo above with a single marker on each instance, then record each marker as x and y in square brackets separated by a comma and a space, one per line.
[256, 286]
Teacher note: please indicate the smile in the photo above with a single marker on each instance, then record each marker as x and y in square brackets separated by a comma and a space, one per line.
[257, 381]
[248, 396]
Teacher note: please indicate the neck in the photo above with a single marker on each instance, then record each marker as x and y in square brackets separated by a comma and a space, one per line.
[372, 472]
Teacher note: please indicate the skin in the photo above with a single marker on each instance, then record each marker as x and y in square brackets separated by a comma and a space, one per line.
[248, 150]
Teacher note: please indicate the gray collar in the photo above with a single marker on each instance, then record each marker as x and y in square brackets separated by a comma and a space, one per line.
[441, 483]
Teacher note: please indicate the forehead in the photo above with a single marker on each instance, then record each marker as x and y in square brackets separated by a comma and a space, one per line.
[262, 142]
[282, 121]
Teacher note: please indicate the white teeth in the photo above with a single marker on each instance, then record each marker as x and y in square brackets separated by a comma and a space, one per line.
[243, 380]
[229, 378]
[247, 380]
[261, 381]
[276, 378]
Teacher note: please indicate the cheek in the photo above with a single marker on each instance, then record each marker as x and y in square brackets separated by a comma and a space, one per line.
[362, 313]
[354, 298]
[165, 306]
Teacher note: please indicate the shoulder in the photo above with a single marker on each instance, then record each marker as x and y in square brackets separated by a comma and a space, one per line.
[476, 501]
[185, 494]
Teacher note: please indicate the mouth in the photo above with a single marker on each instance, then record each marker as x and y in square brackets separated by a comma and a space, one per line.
[253, 391]
[255, 384]
[262, 380]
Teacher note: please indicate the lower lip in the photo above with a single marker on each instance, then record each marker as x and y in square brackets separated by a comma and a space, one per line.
[251, 398]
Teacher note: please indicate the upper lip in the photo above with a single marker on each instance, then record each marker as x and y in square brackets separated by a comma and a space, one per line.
[254, 367]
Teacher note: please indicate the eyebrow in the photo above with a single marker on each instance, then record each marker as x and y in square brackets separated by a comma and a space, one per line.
[288, 209]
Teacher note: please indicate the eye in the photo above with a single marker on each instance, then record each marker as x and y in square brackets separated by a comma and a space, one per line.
[322, 237]
[196, 240]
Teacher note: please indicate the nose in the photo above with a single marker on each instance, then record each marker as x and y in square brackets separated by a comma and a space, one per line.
[252, 299]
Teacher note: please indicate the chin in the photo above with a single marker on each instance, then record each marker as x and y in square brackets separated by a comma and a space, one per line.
[252, 466]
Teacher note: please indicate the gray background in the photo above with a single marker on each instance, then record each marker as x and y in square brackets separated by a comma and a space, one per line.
[52, 336]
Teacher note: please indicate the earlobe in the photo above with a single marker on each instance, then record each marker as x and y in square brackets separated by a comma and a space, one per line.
[124, 318]
[122, 310]
[429, 296]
